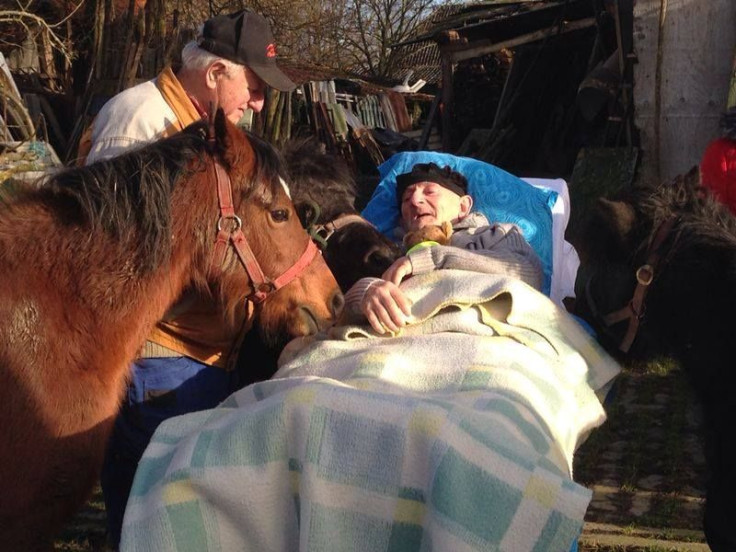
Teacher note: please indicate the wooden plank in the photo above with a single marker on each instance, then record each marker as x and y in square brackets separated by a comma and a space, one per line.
[447, 84]
[480, 48]
[426, 131]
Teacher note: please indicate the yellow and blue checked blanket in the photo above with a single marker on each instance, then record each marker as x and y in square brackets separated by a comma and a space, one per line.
[456, 435]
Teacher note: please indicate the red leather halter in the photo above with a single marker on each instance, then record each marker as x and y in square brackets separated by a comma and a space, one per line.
[229, 231]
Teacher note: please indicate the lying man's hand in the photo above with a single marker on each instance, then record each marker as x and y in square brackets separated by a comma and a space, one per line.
[385, 306]
[400, 269]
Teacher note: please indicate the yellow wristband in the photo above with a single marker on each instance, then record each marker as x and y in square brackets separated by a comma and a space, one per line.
[421, 245]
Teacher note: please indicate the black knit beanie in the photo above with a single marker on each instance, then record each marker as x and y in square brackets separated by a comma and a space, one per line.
[430, 172]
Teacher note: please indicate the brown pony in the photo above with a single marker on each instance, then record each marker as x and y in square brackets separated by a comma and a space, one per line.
[90, 261]
[324, 194]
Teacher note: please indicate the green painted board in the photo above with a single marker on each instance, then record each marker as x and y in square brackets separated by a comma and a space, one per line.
[598, 172]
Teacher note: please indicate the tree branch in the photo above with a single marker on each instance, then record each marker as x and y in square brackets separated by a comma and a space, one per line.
[26, 20]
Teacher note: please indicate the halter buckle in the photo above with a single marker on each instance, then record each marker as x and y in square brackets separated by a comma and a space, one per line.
[645, 274]
[323, 232]
[237, 224]
[266, 287]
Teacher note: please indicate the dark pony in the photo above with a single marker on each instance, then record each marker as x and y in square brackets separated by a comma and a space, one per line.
[659, 264]
[91, 259]
[324, 193]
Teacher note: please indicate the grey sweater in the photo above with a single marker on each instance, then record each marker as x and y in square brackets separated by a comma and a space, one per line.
[475, 246]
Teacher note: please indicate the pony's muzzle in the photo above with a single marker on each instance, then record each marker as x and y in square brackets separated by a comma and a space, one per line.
[316, 323]
[337, 303]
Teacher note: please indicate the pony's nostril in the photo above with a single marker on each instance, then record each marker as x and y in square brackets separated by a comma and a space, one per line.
[313, 326]
[338, 302]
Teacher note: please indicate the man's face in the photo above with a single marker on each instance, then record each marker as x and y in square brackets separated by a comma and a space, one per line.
[238, 90]
[428, 203]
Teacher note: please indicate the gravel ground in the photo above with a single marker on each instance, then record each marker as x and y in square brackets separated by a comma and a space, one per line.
[645, 466]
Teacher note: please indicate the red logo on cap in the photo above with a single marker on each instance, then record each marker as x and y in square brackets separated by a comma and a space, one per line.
[271, 50]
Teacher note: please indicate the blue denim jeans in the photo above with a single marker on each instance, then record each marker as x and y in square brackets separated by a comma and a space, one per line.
[160, 388]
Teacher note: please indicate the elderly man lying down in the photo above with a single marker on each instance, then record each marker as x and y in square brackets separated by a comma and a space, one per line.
[456, 434]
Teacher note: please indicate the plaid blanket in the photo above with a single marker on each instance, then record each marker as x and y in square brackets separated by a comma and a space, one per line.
[456, 435]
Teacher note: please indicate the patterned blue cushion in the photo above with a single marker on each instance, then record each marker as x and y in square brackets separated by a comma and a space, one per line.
[500, 196]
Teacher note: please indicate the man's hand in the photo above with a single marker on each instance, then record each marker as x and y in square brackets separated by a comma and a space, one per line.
[386, 307]
[400, 269]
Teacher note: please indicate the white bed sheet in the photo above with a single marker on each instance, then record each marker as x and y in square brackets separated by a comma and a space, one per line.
[565, 260]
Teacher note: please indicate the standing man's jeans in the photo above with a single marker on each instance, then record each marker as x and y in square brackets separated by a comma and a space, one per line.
[160, 388]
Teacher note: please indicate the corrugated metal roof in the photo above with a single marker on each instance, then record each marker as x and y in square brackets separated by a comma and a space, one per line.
[302, 74]
[493, 20]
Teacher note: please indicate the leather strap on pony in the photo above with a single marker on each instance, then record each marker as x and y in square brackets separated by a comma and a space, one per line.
[324, 231]
[635, 309]
[229, 232]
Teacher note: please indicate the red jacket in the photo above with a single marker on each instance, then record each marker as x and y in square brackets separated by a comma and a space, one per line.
[718, 170]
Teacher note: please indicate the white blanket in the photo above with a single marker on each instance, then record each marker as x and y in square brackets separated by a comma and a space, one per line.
[456, 435]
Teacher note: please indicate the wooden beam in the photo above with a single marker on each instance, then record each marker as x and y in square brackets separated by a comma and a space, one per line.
[622, 57]
[427, 130]
[454, 53]
[448, 68]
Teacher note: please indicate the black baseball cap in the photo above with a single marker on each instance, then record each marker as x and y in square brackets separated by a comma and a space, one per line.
[245, 38]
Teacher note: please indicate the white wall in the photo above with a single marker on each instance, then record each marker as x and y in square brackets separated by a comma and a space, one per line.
[685, 51]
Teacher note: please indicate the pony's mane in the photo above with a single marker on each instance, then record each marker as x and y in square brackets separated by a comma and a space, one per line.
[128, 195]
[320, 177]
[702, 218]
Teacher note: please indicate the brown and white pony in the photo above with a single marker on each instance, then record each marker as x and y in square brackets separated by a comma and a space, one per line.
[91, 260]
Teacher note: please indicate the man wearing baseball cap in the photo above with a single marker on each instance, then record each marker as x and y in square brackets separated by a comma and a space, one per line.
[187, 362]
[228, 65]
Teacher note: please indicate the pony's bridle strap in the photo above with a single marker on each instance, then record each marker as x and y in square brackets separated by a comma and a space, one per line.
[325, 231]
[230, 232]
[635, 309]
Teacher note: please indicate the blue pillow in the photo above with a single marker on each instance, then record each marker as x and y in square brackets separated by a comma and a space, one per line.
[500, 196]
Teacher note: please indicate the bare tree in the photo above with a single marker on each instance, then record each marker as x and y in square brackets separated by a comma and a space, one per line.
[373, 26]
[353, 35]
[21, 21]
[19, 24]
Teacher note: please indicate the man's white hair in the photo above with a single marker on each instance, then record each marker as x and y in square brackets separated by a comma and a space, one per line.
[198, 59]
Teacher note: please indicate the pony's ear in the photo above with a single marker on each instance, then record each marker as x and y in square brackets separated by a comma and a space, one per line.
[619, 218]
[225, 136]
[607, 232]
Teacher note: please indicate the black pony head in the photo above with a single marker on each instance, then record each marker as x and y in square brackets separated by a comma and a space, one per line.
[323, 190]
[695, 276]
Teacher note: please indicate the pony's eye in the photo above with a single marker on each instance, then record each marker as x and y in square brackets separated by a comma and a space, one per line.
[280, 215]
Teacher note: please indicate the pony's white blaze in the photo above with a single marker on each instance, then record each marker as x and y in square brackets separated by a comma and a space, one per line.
[285, 186]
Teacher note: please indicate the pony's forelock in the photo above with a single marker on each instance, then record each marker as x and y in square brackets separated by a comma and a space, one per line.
[270, 170]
